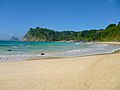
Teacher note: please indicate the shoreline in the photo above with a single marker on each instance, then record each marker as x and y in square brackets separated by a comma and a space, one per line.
[115, 51]
[109, 43]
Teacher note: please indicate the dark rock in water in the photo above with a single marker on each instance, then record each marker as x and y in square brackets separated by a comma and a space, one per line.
[8, 50]
[42, 53]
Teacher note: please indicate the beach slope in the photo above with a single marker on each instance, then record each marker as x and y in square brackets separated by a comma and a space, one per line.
[98, 72]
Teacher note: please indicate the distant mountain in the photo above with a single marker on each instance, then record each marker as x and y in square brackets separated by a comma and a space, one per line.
[14, 39]
[110, 33]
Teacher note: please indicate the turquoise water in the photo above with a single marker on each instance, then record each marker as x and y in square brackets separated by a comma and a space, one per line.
[28, 50]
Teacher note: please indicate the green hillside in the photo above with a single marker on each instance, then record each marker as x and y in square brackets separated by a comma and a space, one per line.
[110, 33]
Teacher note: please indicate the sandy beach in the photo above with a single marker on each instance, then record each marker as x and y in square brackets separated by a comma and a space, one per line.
[60, 45]
[97, 72]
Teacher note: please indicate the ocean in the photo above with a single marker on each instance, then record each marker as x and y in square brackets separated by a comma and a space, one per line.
[18, 50]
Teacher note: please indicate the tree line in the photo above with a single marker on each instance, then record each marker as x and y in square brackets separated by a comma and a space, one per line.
[110, 33]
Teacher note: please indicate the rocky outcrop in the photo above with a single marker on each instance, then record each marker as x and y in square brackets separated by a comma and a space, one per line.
[29, 37]
[39, 34]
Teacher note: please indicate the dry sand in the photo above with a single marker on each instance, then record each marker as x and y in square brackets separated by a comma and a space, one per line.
[114, 43]
[98, 72]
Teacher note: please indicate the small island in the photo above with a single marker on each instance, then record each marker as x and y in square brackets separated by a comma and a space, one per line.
[14, 39]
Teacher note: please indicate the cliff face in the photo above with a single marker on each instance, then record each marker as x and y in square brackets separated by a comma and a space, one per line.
[29, 37]
[39, 34]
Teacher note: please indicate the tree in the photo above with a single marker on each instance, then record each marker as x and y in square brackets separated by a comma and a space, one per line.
[111, 33]
[111, 25]
[118, 23]
[37, 27]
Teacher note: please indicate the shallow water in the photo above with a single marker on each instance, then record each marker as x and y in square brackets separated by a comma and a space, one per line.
[28, 50]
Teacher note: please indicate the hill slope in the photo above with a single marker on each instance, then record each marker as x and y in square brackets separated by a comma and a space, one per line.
[111, 33]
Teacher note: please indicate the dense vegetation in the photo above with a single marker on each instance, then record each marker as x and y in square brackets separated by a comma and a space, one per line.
[110, 33]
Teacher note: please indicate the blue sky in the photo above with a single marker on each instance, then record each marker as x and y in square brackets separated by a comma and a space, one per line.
[17, 16]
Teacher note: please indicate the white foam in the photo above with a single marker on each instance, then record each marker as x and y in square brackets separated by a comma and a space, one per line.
[15, 46]
[116, 50]
[28, 46]
[77, 43]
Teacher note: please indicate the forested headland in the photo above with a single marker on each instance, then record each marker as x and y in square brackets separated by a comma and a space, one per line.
[110, 33]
